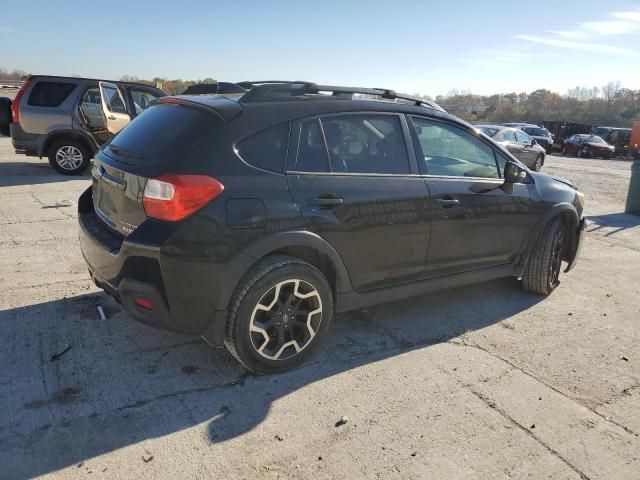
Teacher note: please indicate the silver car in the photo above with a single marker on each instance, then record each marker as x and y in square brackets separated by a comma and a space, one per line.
[518, 143]
[67, 119]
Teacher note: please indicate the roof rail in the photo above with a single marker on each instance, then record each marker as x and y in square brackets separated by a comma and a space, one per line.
[279, 89]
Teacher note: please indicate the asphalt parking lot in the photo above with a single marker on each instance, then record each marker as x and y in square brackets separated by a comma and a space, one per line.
[480, 382]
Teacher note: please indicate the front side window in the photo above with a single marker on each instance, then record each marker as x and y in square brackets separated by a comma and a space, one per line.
[113, 99]
[452, 152]
[142, 100]
[50, 94]
[266, 149]
[366, 144]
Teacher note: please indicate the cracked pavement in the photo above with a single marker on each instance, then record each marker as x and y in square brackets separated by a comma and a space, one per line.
[484, 381]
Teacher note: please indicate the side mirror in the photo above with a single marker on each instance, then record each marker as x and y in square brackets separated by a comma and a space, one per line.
[513, 173]
[534, 142]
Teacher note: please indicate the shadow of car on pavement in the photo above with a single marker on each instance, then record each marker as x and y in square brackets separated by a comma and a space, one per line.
[34, 173]
[121, 383]
[617, 221]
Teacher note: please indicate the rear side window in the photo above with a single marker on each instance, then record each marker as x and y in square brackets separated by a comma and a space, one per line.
[366, 144]
[50, 94]
[160, 134]
[266, 149]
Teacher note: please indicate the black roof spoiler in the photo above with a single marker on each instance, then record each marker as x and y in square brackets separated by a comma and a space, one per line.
[281, 89]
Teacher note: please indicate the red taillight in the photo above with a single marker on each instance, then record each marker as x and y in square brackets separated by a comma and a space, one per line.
[175, 197]
[15, 106]
[143, 303]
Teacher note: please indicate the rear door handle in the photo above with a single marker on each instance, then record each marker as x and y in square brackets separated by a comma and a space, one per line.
[325, 202]
[111, 117]
[447, 202]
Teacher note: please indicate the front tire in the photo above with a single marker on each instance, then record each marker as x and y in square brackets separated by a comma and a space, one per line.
[69, 157]
[539, 162]
[278, 315]
[542, 273]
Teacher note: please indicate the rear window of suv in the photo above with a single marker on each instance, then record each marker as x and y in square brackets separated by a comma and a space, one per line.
[160, 133]
[50, 94]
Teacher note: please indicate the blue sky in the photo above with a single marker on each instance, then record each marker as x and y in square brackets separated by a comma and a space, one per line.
[416, 47]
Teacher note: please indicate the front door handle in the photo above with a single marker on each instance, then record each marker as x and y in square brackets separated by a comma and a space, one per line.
[325, 202]
[111, 117]
[447, 202]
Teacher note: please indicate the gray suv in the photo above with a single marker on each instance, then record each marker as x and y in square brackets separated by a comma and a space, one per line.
[67, 119]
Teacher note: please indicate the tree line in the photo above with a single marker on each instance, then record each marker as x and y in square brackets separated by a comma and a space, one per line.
[172, 87]
[12, 75]
[610, 105]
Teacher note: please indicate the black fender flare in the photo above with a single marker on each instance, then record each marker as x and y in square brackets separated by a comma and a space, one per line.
[303, 238]
[242, 263]
[238, 267]
[80, 135]
[538, 227]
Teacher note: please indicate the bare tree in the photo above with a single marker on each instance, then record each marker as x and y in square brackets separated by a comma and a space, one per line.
[610, 91]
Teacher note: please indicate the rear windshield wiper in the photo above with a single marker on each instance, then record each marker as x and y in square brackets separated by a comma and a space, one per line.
[124, 153]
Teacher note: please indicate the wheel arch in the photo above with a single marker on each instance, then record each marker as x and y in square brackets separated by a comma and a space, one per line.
[60, 135]
[309, 247]
[570, 221]
[304, 245]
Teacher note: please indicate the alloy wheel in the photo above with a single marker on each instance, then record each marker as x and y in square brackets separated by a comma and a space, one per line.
[69, 157]
[286, 319]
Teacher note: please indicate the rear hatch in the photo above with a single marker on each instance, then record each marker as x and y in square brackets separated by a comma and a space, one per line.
[148, 147]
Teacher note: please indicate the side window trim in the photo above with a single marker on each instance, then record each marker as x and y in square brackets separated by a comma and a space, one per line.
[293, 151]
[327, 157]
[418, 147]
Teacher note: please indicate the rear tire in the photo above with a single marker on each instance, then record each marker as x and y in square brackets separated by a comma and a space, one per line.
[69, 157]
[542, 272]
[278, 315]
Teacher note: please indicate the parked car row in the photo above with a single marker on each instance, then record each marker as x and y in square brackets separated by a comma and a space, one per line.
[581, 140]
[252, 219]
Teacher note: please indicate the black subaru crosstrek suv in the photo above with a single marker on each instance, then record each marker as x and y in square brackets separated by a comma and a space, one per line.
[250, 219]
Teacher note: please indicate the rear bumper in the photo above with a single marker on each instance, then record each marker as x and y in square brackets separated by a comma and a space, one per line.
[576, 245]
[23, 142]
[180, 289]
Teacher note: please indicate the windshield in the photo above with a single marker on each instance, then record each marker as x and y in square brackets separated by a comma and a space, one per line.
[537, 131]
[594, 139]
[602, 131]
[488, 131]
